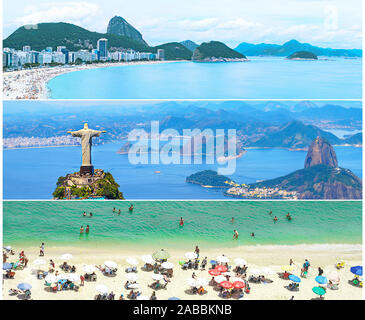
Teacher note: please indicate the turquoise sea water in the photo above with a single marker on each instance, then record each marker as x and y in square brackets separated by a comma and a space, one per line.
[207, 223]
[260, 78]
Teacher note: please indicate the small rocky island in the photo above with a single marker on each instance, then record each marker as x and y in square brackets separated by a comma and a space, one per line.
[88, 183]
[209, 179]
[302, 55]
[215, 51]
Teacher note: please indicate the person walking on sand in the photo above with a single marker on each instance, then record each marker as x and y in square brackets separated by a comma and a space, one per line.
[235, 234]
[197, 251]
[82, 280]
[291, 262]
[41, 250]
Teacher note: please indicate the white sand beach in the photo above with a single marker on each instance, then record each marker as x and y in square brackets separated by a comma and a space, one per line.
[32, 84]
[257, 257]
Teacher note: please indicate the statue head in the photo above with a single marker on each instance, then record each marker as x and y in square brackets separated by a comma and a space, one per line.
[86, 126]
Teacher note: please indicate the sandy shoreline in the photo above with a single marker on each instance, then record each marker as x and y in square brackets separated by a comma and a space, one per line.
[321, 255]
[32, 84]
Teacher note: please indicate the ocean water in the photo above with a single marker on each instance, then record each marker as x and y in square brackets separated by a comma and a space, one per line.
[32, 173]
[260, 78]
[207, 223]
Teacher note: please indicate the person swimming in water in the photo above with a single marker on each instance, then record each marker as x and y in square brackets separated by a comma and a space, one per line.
[276, 219]
[181, 223]
[87, 229]
[82, 229]
[288, 216]
[252, 234]
[119, 212]
[235, 234]
[270, 213]
[114, 210]
[91, 214]
[84, 214]
[232, 220]
[131, 208]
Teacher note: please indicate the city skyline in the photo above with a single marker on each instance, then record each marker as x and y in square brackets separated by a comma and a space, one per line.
[322, 23]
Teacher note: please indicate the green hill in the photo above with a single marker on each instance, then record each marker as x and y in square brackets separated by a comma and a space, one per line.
[65, 34]
[215, 49]
[174, 51]
[303, 55]
[209, 178]
[318, 182]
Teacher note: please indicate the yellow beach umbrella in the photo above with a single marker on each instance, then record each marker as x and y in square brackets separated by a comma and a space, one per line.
[287, 268]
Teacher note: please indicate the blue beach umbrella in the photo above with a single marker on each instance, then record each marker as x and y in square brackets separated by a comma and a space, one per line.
[357, 270]
[7, 266]
[294, 278]
[173, 298]
[321, 279]
[213, 262]
[24, 286]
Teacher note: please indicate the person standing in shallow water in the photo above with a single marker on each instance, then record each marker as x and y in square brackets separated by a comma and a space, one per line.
[181, 223]
[235, 235]
[87, 229]
[131, 208]
[82, 230]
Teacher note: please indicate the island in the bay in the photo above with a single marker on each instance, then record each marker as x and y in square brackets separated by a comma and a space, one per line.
[215, 51]
[88, 183]
[321, 178]
[302, 55]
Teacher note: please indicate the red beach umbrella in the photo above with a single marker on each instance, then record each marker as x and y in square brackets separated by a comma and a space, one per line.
[214, 272]
[238, 284]
[226, 284]
[221, 268]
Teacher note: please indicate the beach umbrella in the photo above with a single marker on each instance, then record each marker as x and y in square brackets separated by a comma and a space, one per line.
[221, 268]
[62, 276]
[287, 268]
[147, 259]
[132, 261]
[7, 248]
[66, 256]
[73, 277]
[191, 282]
[39, 261]
[88, 268]
[50, 278]
[7, 266]
[334, 277]
[160, 255]
[131, 276]
[214, 272]
[357, 270]
[142, 298]
[256, 271]
[134, 286]
[191, 255]
[226, 284]
[238, 284]
[202, 282]
[321, 279]
[294, 278]
[234, 279]
[62, 281]
[157, 276]
[173, 298]
[222, 259]
[319, 290]
[167, 265]
[101, 288]
[268, 271]
[220, 279]
[110, 264]
[24, 286]
[213, 262]
[240, 262]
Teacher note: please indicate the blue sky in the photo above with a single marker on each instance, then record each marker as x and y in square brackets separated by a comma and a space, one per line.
[328, 23]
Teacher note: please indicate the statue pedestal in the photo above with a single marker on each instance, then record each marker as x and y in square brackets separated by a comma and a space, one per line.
[86, 170]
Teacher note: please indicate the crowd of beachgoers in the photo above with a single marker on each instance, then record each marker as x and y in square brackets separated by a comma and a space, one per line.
[32, 83]
[192, 275]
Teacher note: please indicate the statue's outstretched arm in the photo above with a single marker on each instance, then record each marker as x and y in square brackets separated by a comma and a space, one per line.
[96, 133]
[75, 133]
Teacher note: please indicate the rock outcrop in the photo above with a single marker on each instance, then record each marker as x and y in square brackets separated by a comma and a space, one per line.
[120, 27]
[321, 152]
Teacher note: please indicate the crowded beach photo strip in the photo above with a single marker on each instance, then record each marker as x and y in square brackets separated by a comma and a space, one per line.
[186, 152]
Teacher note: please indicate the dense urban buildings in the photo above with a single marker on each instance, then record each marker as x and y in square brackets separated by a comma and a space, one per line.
[18, 59]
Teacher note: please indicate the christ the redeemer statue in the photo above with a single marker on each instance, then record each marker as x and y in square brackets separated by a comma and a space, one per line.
[86, 136]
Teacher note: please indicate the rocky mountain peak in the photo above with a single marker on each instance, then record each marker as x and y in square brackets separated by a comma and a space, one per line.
[120, 27]
[321, 152]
